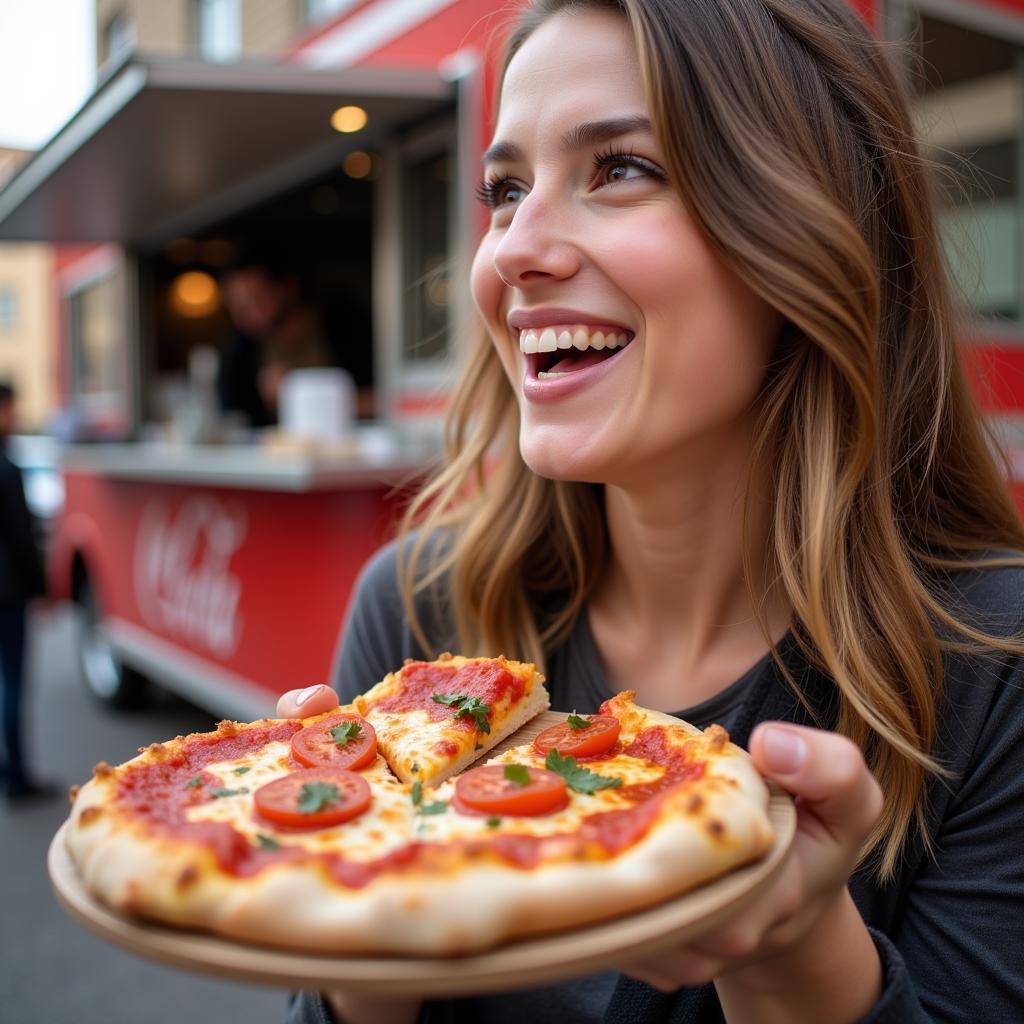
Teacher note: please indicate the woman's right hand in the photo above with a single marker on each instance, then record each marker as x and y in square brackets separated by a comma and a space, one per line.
[313, 700]
[346, 1008]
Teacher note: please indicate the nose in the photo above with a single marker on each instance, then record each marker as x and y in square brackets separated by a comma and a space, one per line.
[537, 245]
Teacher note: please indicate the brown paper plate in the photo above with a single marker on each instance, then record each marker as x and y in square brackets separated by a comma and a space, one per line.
[526, 962]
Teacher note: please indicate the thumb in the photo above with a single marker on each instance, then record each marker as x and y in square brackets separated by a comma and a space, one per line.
[313, 700]
[826, 771]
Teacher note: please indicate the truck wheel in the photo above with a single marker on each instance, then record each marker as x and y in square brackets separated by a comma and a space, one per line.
[107, 678]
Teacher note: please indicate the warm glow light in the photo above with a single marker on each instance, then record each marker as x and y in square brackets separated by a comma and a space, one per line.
[358, 164]
[195, 294]
[348, 119]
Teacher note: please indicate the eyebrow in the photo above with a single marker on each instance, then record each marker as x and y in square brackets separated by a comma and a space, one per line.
[586, 134]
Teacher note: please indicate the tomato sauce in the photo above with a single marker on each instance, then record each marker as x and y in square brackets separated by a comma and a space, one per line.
[420, 681]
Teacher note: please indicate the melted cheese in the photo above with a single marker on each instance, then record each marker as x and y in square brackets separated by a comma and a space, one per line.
[452, 825]
[382, 828]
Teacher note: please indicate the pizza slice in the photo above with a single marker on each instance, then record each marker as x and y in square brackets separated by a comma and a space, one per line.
[434, 718]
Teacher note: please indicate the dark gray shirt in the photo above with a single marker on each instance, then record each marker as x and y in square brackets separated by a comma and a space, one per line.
[949, 928]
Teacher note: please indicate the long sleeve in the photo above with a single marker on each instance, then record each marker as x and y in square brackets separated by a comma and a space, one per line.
[21, 571]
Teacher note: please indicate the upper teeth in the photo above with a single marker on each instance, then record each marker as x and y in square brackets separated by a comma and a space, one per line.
[551, 338]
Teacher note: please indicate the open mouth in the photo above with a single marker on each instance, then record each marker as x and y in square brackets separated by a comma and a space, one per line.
[558, 351]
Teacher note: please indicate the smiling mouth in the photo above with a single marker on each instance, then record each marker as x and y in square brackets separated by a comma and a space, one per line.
[558, 351]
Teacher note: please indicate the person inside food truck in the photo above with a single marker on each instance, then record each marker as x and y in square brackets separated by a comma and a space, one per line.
[275, 331]
[775, 504]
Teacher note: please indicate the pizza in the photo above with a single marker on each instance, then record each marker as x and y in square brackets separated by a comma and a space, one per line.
[301, 834]
[435, 718]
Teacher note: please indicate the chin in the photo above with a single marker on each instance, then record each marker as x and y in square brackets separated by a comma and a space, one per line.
[555, 457]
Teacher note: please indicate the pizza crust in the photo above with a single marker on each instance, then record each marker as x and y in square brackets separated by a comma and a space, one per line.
[456, 909]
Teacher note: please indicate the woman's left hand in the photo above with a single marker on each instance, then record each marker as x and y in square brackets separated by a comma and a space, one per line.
[803, 931]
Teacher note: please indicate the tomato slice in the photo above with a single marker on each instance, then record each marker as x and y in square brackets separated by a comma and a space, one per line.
[597, 738]
[317, 745]
[329, 795]
[487, 791]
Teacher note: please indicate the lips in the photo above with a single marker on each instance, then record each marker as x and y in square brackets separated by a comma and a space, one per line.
[555, 376]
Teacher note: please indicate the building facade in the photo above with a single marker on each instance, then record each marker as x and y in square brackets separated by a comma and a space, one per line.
[28, 319]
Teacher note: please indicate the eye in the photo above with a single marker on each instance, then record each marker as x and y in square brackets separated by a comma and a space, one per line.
[499, 192]
[617, 166]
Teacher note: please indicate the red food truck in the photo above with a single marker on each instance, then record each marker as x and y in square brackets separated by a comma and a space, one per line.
[222, 570]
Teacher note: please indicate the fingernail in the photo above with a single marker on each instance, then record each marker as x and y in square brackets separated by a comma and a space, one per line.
[301, 698]
[783, 750]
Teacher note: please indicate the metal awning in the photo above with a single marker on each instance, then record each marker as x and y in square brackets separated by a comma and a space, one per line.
[164, 147]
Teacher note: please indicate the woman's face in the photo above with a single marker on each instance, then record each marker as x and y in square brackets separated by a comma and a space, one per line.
[658, 349]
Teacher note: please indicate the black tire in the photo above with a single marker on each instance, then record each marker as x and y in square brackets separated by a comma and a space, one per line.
[111, 682]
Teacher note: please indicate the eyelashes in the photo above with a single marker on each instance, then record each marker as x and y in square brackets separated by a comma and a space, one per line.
[489, 192]
[492, 192]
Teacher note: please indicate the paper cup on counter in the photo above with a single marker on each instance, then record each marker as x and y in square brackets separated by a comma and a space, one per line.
[318, 404]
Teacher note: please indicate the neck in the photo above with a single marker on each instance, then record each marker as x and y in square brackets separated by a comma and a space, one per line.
[675, 596]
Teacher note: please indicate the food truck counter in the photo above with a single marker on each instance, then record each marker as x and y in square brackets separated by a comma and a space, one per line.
[375, 456]
[222, 573]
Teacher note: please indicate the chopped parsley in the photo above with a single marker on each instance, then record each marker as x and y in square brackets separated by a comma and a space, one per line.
[518, 774]
[315, 796]
[476, 708]
[576, 722]
[229, 792]
[417, 801]
[493, 821]
[451, 699]
[582, 780]
[415, 768]
[345, 732]
[242, 770]
[267, 842]
[192, 783]
[468, 707]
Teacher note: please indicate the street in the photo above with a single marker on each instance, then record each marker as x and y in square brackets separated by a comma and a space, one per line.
[53, 970]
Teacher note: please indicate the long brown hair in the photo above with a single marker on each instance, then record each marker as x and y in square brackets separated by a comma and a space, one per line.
[787, 133]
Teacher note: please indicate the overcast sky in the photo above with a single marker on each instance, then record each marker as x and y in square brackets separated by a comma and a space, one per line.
[46, 67]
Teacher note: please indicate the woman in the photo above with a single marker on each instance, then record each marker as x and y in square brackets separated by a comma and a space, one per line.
[770, 501]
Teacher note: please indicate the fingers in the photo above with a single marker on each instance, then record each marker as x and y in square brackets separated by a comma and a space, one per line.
[826, 770]
[313, 700]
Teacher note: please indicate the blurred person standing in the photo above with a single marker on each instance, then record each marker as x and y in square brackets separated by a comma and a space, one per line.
[21, 580]
[275, 332]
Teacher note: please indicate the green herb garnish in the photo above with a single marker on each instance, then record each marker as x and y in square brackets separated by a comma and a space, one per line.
[451, 699]
[192, 783]
[229, 792]
[267, 843]
[518, 774]
[476, 708]
[242, 770]
[417, 801]
[315, 796]
[415, 768]
[493, 821]
[468, 706]
[581, 780]
[345, 732]
[576, 722]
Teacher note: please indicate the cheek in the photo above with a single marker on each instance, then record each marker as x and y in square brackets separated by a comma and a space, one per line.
[706, 325]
